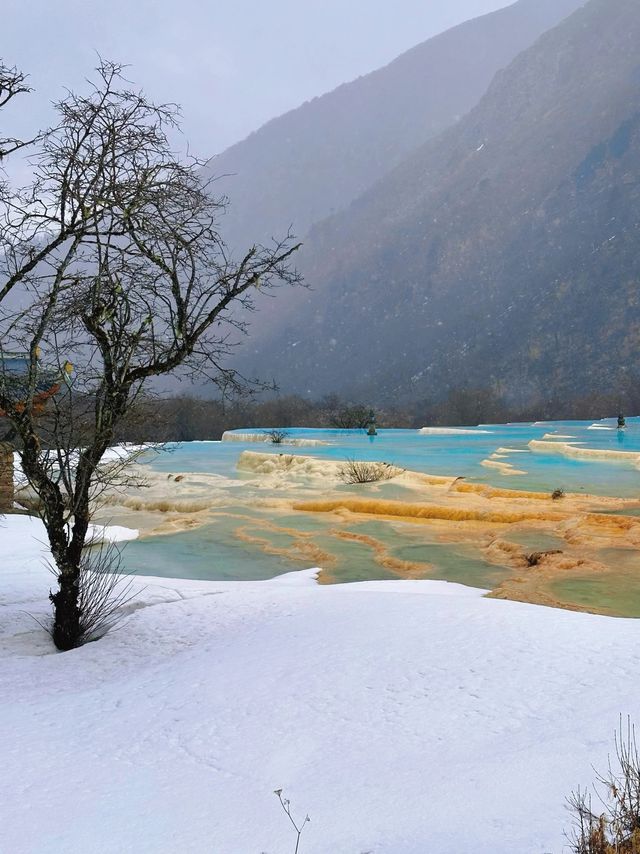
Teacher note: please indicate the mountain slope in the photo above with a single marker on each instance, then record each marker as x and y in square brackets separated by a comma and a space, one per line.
[315, 160]
[505, 251]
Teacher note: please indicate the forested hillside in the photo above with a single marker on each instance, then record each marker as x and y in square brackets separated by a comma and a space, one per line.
[505, 251]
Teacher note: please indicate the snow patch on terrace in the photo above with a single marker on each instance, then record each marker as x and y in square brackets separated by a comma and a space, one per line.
[110, 534]
[230, 436]
[506, 469]
[379, 707]
[117, 454]
[572, 450]
[120, 453]
[256, 462]
[451, 431]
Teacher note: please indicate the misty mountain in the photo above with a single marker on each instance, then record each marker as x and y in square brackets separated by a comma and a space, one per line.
[313, 161]
[505, 252]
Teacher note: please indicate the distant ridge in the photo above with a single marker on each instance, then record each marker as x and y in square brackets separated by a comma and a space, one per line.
[504, 253]
[315, 160]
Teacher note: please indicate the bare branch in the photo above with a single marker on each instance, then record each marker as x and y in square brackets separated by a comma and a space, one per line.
[12, 84]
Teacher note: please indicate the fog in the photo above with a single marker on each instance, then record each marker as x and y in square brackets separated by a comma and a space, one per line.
[231, 65]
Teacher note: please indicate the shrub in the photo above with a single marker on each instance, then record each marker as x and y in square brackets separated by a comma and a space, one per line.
[104, 590]
[557, 494]
[354, 471]
[617, 829]
[276, 437]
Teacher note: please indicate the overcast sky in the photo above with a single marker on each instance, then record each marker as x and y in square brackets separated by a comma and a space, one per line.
[231, 64]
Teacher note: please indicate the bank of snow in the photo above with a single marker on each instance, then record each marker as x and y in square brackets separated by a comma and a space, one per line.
[405, 717]
[98, 534]
[573, 451]
[451, 431]
[266, 437]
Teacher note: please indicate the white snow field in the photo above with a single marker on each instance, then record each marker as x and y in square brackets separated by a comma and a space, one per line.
[404, 717]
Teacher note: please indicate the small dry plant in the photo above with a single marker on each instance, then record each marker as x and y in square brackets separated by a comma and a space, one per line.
[104, 590]
[615, 829]
[557, 494]
[355, 471]
[276, 437]
[285, 803]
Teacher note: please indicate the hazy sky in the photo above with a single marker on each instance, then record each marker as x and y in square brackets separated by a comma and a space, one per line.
[231, 64]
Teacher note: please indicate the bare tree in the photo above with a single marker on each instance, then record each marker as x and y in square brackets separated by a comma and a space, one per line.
[121, 268]
[12, 83]
[42, 225]
[351, 418]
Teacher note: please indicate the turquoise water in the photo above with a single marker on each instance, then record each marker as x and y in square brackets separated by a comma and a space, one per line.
[208, 553]
[535, 541]
[618, 592]
[456, 563]
[217, 550]
[454, 455]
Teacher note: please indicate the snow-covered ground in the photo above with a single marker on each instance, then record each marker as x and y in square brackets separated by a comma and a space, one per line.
[404, 717]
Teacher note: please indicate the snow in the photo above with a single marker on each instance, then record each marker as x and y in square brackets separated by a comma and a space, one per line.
[506, 469]
[110, 534]
[19, 478]
[406, 717]
[573, 451]
[116, 454]
[450, 431]
[265, 437]
[119, 453]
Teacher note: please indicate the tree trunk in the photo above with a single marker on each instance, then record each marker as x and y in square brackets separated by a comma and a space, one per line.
[66, 609]
[6, 477]
[67, 624]
[67, 552]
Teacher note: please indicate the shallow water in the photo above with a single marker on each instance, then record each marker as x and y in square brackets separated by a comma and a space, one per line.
[450, 455]
[458, 564]
[535, 541]
[211, 552]
[596, 594]
[246, 541]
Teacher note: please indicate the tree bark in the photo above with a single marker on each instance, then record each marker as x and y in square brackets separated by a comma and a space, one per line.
[67, 630]
[6, 477]
[67, 554]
